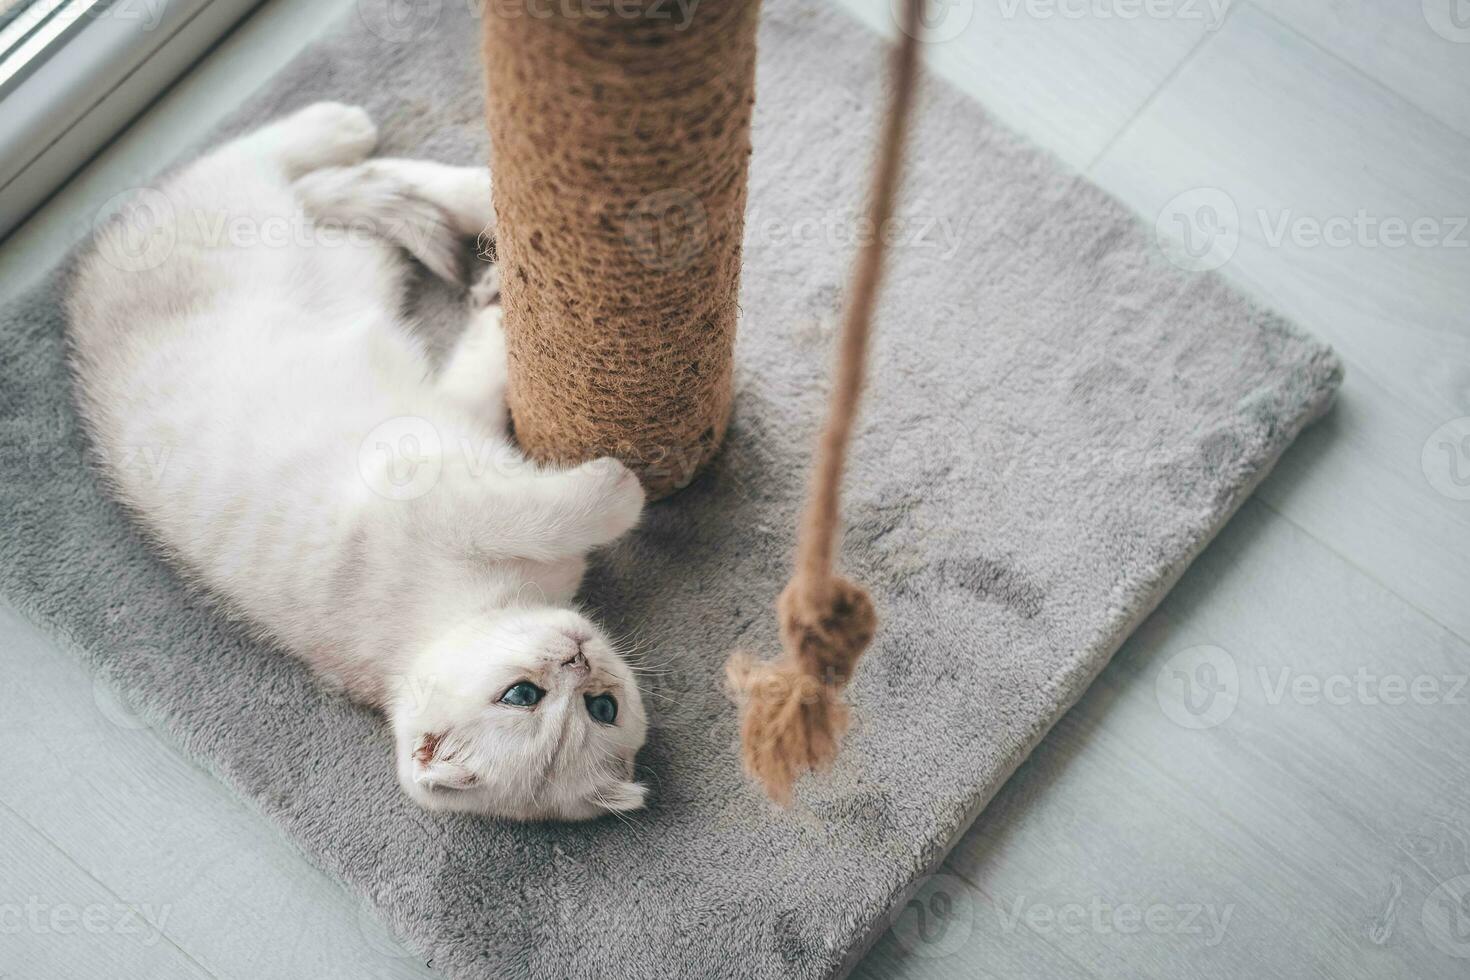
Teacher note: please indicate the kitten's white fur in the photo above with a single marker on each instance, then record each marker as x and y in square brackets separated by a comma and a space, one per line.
[256, 400]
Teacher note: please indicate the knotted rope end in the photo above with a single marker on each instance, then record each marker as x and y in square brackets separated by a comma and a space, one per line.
[793, 713]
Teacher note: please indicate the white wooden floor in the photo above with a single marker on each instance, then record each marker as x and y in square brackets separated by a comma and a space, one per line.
[1271, 780]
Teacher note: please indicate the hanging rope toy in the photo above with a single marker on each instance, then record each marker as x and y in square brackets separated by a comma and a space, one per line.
[793, 712]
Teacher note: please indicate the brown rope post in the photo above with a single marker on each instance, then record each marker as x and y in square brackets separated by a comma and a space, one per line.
[619, 144]
[794, 714]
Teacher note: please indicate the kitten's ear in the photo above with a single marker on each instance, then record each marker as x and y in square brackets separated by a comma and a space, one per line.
[622, 797]
[431, 768]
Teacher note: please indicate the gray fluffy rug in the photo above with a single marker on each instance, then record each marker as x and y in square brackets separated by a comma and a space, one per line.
[1058, 421]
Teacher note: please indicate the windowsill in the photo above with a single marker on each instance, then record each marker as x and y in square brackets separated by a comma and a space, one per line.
[76, 94]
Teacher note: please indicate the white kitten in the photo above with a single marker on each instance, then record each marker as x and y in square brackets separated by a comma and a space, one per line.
[256, 400]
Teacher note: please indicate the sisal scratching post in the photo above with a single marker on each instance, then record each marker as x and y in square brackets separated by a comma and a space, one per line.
[619, 146]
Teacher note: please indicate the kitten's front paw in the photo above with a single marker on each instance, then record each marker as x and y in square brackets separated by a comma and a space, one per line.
[618, 496]
[328, 134]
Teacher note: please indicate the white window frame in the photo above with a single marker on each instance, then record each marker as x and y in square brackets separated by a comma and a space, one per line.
[94, 66]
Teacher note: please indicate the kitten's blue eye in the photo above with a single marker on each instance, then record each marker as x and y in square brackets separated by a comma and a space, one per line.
[603, 708]
[522, 695]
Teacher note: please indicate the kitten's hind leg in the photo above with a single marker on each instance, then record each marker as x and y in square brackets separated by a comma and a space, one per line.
[365, 199]
[462, 193]
[244, 184]
[475, 375]
[325, 134]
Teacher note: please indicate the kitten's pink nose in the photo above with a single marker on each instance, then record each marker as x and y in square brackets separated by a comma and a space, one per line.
[577, 664]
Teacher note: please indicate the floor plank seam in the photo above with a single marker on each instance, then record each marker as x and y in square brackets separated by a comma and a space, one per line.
[1374, 81]
[1153, 97]
[1355, 566]
[45, 837]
